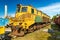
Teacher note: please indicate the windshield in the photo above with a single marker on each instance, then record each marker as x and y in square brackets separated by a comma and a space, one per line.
[24, 9]
[18, 9]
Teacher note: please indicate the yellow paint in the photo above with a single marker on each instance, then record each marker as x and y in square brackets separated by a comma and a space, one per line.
[26, 18]
[45, 15]
[40, 13]
[28, 21]
[35, 11]
[2, 30]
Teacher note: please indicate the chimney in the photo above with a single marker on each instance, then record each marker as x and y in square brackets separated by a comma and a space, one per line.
[5, 11]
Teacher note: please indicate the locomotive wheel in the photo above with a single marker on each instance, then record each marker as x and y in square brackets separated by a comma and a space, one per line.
[44, 25]
[21, 33]
[16, 33]
[30, 30]
[25, 31]
[38, 27]
[34, 27]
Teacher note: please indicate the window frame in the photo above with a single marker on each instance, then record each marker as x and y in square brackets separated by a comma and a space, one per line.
[32, 11]
[18, 9]
[24, 9]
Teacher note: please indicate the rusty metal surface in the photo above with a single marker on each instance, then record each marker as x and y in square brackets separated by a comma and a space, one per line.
[57, 20]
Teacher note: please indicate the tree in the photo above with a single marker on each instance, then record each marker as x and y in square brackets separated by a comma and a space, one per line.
[54, 17]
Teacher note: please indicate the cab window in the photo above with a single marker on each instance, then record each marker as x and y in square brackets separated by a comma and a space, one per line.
[18, 9]
[32, 11]
[24, 9]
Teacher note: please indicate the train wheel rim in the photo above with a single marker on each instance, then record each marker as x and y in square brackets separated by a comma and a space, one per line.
[21, 33]
[31, 30]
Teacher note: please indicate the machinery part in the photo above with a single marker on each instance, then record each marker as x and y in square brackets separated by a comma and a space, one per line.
[35, 28]
[17, 31]
[21, 33]
[30, 30]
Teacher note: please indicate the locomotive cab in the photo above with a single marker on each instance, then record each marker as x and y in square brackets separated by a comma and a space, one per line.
[24, 10]
[26, 20]
[24, 16]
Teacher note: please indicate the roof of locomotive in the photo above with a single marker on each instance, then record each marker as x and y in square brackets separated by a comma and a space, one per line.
[24, 5]
[33, 8]
[43, 13]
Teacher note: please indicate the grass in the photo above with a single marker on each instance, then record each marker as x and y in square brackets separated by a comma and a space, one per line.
[38, 35]
[56, 33]
[54, 26]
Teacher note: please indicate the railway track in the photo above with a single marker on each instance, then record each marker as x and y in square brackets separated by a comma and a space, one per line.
[32, 29]
[37, 35]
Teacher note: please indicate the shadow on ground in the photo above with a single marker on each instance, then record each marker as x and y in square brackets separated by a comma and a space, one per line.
[5, 36]
[54, 32]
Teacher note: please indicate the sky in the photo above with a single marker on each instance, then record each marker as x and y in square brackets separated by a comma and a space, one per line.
[50, 7]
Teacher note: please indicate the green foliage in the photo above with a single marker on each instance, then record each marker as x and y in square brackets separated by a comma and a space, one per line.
[55, 16]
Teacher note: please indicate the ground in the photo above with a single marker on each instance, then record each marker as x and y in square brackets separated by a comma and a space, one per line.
[49, 32]
[37, 35]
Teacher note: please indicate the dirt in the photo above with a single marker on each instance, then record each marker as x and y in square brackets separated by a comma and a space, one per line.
[37, 35]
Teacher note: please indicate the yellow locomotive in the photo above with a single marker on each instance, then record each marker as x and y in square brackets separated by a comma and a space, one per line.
[27, 19]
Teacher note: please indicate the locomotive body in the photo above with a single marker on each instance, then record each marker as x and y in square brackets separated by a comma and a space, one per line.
[27, 19]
